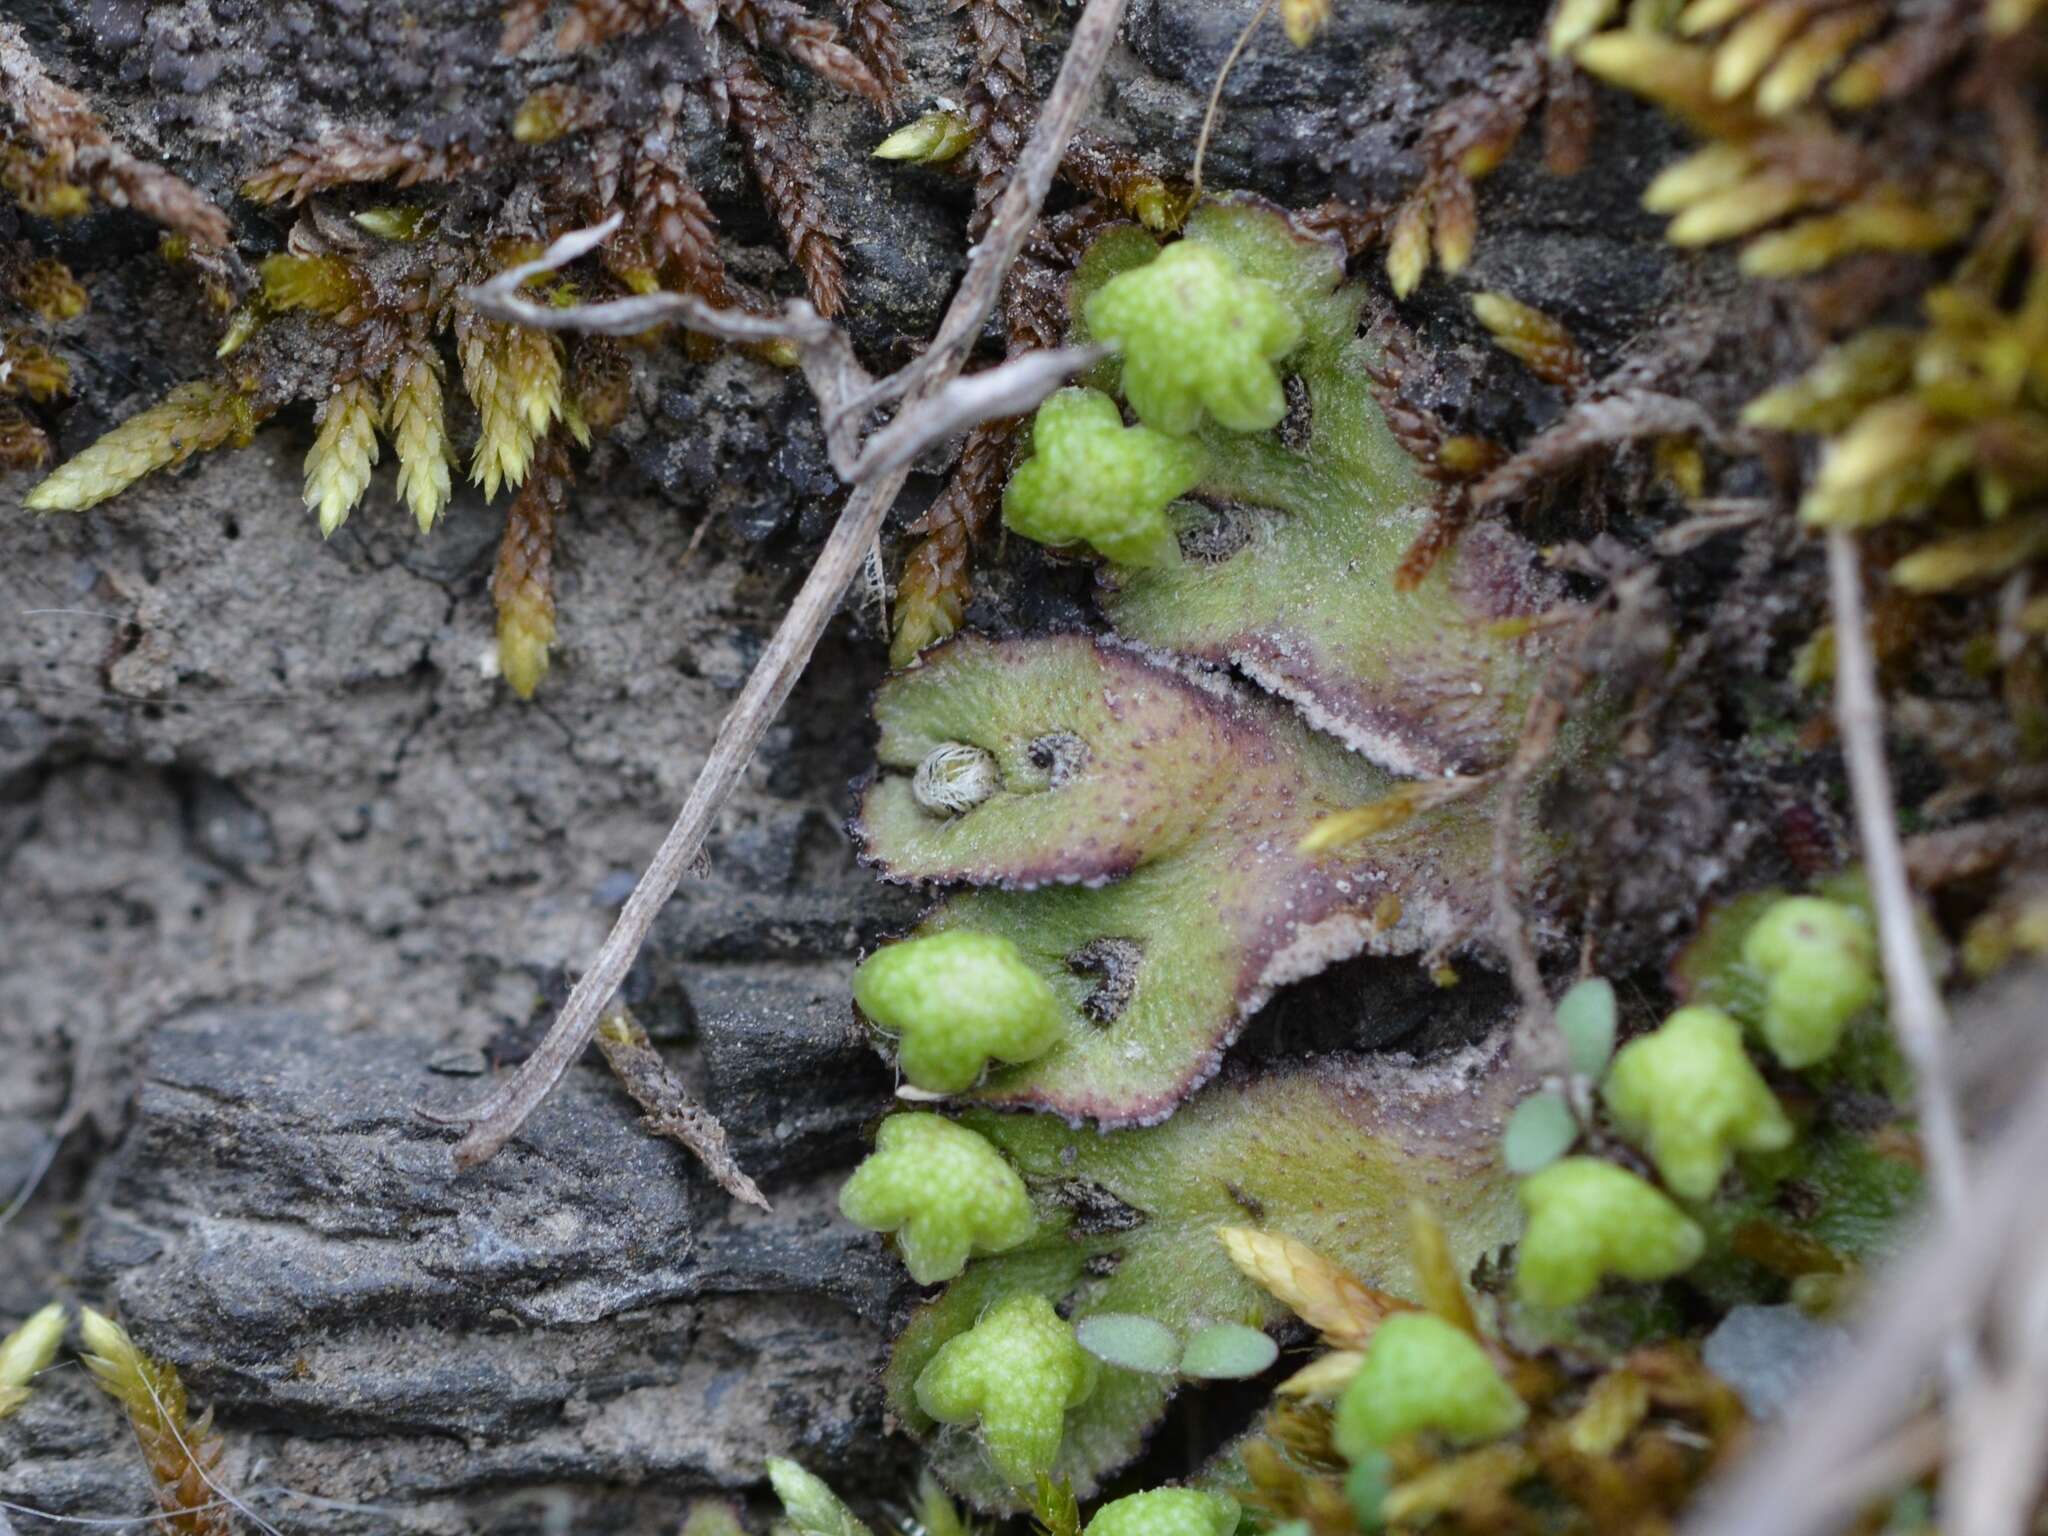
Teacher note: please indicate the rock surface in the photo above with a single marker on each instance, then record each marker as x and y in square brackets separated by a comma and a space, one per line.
[1772, 1354]
[281, 1226]
[281, 859]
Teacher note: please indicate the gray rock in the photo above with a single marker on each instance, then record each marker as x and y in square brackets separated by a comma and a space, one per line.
[785, 1066]
[1769, 1355]
[281, 1226]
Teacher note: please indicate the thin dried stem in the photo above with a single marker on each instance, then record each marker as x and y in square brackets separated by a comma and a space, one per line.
[499, 1117]
[948, 405]
[671, 1111]
[1930, 1296]
[1914, 1003]
[1538, 1047]
[1010, 389]
[2001, 1433]
[1912, 1000]
[1216, 97]
[77, 1105]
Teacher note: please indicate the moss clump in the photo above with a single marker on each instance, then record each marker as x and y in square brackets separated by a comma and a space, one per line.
[338, 465]
[810, 1505]
[1092, 480]
[193, 418]
[1198, 337]
[954, 1000]
[1421, 1374]
[1015, 1373]
[943, 1190]
[1588, 1219]
[1689, 1095]
[413, 415]
[183, 1458]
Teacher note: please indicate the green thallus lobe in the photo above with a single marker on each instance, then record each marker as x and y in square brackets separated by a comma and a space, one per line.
[1690, 1097]
[1092, 480]
[1015, 1373]
[1421, 1373]
[1819, 963]
[1199, 338]
[1588, 1219]
[1166, 1512]
[953, 1000]
[943, 1190]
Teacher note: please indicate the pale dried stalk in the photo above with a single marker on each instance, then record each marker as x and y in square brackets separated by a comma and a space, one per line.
[1009, 389]
[1912, 1000]
[1993, 1482]
[1793, 1484]
[1539, 1050]
[843, 388]
[671, 1112]
[499, 1116]
[1216, 95]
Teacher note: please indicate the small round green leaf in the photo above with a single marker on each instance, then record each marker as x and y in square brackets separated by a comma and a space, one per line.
[1228, 1351]
[1540, 1131]
[1132, 1342]
[1586, 1016]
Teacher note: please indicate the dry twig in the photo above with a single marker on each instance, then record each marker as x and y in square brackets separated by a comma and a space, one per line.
[671, 1112]
[1538, 1048]
[1913, 1001]
[498, 1118]
[845, 390]
[1793, 1484]
[1999, 1436]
